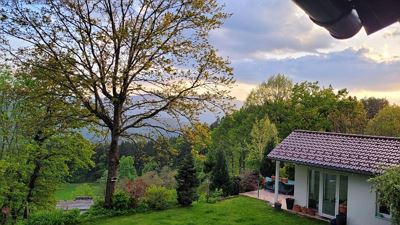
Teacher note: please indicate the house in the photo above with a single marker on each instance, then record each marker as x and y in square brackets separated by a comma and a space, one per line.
[332, 172]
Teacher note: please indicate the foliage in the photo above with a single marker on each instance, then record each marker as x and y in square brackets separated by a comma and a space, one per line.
[121, 201]
[387, 185]
[159, 198]
[136, 189]
[235, 185]
[240, 210]
[277, 88]
[126, 168]
[187, 182]
[373, 105]
[248, 181]
[57, 217]
[219, 174]
[152, 178]
[150, 166]
[267, 167]
[215, 195]
[167, 175]
[385, 123]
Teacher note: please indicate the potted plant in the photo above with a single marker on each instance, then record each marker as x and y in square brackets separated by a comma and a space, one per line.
[278, 205]
[296, 208]
[284, 180]
[289, 203]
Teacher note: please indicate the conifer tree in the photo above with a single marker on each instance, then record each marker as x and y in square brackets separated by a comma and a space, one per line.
[187, 181]
[219, 174]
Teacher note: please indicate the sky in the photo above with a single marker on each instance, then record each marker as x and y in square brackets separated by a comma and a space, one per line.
[266, 37]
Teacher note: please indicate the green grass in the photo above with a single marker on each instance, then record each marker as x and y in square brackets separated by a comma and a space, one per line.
[240, 210]
[66, 192]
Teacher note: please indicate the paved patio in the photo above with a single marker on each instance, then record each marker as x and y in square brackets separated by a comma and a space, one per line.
[268, 196]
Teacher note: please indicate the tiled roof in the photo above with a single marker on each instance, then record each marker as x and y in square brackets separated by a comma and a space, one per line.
[346, 152]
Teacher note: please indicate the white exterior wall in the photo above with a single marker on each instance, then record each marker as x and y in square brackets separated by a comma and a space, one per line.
[361, 202]
[300, 185]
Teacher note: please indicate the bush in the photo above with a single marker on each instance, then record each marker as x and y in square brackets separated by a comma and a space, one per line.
[121, 201]
[167, 176]
[152, 179]
[136, 190]
[249, 181]
[57, 217]
[159, 198]
[83, 190]
[215, 196]
[235, 185]
[219, 173]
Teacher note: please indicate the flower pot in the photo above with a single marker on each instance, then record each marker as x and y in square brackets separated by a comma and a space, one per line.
[341, 219]
[284, 180]
[343, 209]
[311, 212]
[304, 210]
[296, 208]
[277, 206]
[273, 177]
[289, 203]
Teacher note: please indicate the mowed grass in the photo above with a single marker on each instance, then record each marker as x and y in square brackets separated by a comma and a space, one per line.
[239, 210]
[67, 190]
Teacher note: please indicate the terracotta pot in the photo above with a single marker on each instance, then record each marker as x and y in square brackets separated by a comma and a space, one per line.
[296, 208]
[311, 212]
[304, 210]
[284, 180]
[273, 177]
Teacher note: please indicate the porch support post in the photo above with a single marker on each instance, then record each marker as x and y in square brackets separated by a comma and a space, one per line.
[277, 166]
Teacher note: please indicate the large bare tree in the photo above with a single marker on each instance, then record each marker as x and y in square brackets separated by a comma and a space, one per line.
[129, 62]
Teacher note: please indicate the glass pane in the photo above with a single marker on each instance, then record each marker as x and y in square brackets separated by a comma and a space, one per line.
[328, 200]
[343, 195]
[313, 189]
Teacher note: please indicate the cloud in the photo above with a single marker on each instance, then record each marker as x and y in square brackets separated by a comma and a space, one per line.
[258, 29]
[349, 68]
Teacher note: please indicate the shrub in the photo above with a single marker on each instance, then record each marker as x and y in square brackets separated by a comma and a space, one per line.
[158, 197]
[235, 185]
[121, 201]
[167, 176]
[152, 179]
[249, 181]
[136, 190]
[215, 196]
[187, 182]
[57, 217]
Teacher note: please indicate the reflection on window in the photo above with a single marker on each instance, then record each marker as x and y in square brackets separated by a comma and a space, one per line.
[313, 189]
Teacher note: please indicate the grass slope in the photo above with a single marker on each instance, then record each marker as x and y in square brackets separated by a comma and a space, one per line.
[240, 210]
[66, 192]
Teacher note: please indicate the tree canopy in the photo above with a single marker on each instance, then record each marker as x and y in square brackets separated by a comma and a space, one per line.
[386, 122]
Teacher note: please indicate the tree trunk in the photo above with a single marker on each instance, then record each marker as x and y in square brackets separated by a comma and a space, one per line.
[113, 158]
[31, 187]
[113, 163]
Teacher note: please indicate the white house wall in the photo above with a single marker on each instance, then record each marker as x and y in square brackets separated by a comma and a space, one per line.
[361, 205]
[300, 186]
[361, 202]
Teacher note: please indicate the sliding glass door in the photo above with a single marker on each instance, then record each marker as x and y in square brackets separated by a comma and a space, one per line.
[329, 194]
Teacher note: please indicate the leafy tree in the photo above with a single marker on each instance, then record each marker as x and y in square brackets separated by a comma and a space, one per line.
[219, 175]
[156, 50]
[264, 133]
[385, 123]
[187, 181]
[374, 105]
[267, 167]
[387, 185]
[126, 168]
[277, 88]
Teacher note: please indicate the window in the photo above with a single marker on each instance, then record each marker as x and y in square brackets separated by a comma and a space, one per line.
[382, 210]
[313, 189]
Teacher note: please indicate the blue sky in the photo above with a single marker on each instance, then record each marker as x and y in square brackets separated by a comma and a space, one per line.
[266, 37]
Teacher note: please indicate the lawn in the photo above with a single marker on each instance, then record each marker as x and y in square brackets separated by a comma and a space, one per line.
[240, 210]
[67, 191]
